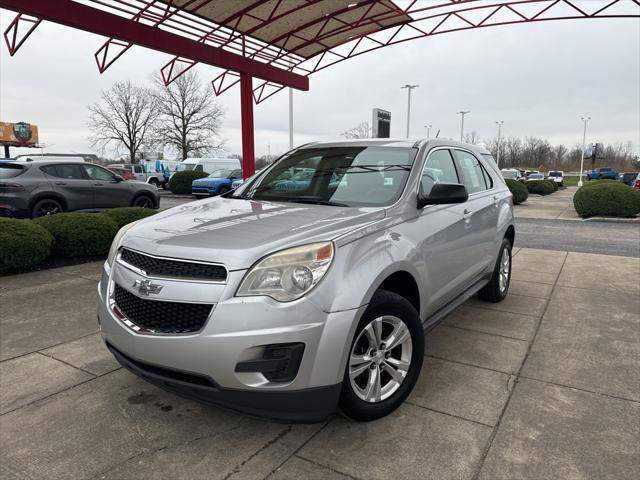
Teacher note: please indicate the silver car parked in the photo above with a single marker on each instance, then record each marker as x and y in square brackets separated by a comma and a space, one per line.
[290, 298]
[47, 187]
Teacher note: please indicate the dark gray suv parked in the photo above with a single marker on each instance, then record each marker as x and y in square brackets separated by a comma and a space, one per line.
[34, 189]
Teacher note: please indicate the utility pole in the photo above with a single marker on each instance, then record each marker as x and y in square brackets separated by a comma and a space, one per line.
[428, 127]
[499, 123]
[409, 88]
[462, 113]
[584, 139]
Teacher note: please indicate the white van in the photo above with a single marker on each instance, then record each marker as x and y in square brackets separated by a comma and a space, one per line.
[208, 165]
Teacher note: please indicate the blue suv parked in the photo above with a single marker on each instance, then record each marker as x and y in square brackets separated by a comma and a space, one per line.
[216, 183]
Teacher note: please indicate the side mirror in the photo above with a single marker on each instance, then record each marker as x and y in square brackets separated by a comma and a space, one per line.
[444, 193]
[117, 178]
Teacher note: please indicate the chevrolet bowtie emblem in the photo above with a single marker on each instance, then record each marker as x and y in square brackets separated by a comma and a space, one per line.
[146, 287]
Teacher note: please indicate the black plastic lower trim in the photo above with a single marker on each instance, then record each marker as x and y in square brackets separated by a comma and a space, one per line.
[309, 405]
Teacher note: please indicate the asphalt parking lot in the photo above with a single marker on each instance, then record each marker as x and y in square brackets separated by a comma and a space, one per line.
[543, 385]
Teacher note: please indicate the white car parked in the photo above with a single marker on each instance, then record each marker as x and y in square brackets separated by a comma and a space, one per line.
[556, 176]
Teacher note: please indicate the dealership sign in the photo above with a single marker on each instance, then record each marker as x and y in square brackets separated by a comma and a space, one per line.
[19, 134]
[381, 123]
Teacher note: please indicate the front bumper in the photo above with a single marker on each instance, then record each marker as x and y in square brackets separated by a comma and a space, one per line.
[304, 406]
[238, 330]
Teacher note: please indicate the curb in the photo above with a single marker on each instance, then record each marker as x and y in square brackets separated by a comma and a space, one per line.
[611, 220]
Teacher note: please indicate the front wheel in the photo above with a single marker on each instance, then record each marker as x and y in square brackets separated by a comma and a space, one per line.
[223, 190]
[143, 201]
[498, 287]
[384, 360]
[45, 207]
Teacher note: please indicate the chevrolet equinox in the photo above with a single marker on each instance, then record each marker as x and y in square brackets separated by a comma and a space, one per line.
[310, 287]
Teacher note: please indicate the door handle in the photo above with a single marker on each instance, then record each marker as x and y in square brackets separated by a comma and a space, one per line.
[467, 214]
[60, 183]
[496, 200]
[98, 184]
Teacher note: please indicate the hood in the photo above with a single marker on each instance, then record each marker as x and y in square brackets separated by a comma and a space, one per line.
[239, 232]
[208, 181]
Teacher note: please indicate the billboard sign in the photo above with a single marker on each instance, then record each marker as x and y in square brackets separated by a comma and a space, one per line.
[381, 123]
[19, 134]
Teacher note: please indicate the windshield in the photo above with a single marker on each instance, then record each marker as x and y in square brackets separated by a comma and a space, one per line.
[183, 167]
[342, 176]
[220, 173]
[555, 174]
[536, 176]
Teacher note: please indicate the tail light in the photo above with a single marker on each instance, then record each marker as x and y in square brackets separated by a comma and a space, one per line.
[637, 185]
[10, 187]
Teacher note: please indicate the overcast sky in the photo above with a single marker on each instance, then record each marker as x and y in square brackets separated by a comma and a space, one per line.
[538, 78]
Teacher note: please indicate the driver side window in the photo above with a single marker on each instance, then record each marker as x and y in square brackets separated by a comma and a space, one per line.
[439, 168]
[98, 173]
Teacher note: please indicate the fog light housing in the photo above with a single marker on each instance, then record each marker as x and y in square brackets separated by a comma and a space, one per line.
[280, 362]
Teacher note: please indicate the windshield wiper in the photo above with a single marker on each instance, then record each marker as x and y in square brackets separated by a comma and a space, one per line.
[317, 201]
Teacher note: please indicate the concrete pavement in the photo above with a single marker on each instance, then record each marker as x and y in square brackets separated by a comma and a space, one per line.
[544, 385]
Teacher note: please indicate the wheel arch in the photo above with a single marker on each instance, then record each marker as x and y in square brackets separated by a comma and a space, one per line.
[48, 194]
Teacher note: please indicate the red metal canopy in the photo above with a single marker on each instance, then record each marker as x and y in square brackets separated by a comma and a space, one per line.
[280, 42]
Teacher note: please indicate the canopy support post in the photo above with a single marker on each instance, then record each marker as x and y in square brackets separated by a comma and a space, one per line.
[246, 111]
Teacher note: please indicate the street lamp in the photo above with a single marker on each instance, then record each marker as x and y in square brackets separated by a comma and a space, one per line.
[409, 88]
[428, 127]
[584, 138]
[499, 123]
[462, 113]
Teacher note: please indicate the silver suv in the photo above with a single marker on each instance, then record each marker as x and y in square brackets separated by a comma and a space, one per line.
[297, 294]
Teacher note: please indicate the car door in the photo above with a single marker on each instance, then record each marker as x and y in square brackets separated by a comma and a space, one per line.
[71, 181]
[108, 190]
[481, 212]
[441, 235]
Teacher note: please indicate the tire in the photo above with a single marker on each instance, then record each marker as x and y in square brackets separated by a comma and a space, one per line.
[395, 315]
[143, 201]
[496, 290]
[154, 182]
[223, 190]
[46, 206]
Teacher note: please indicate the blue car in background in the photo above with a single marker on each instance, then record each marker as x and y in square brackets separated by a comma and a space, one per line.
[217, 183]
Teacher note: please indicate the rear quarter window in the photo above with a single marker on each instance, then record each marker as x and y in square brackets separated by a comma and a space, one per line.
[11, 170]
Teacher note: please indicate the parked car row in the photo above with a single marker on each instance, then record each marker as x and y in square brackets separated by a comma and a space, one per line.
[556, 176]
[45, 187]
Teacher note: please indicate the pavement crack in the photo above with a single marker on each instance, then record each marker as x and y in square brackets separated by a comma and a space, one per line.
[238, 467]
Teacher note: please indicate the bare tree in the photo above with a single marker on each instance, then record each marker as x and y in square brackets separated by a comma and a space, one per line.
[473, 138]
[362, 130]
[190, 116]
[124, 116]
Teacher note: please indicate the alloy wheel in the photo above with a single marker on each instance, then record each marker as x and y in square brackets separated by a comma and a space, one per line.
[144, 202]
[380, 359]
[48, 208]
[505, 270]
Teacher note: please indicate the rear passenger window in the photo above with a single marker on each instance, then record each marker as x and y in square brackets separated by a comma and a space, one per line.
[198, 168]
[474, 177]
[438, 169]
[70, 172]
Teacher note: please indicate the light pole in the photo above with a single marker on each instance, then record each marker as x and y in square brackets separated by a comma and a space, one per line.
[462, 113]
[499, 123]
[428, 127]
[584, 139]
[409, 88]
[290, 118]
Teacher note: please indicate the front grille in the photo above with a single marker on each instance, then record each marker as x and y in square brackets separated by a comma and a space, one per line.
[161, 317]
[173, 268]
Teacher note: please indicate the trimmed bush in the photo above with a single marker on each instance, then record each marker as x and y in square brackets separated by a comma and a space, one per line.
[23, 244]
[541, 187]
[607, 199]
[553, 184]
[123, 216]
[181, 181]
[518, 190]
[79, 234]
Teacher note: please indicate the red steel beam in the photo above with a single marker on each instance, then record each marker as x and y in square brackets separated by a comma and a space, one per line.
[246, 112]
[82, 17]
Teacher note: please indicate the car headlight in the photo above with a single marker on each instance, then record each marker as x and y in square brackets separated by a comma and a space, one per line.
[113, 251]
[289, 274]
